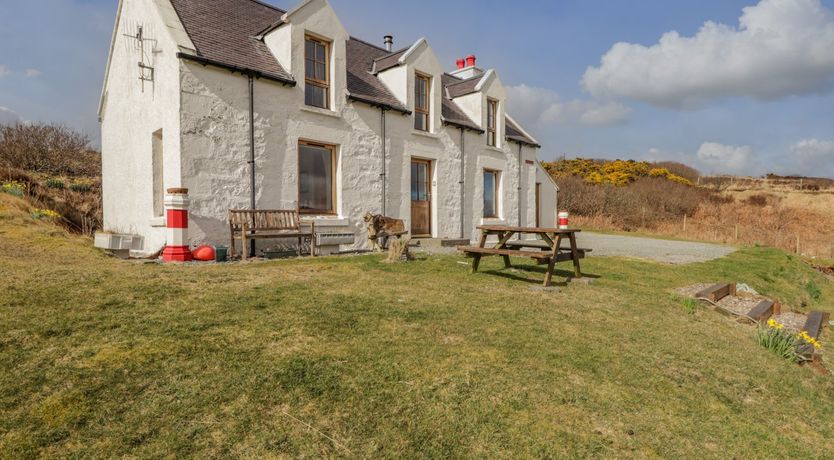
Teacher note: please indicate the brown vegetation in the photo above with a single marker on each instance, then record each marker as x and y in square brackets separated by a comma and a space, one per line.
[48, 149]
[789, 213]
[58, 169]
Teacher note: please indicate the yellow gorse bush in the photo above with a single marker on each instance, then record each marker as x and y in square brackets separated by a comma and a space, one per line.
[618, 172]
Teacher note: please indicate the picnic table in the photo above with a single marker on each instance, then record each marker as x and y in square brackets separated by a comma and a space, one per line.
[546, 250]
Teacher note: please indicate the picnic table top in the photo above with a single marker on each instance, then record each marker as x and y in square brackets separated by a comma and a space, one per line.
[506, 228]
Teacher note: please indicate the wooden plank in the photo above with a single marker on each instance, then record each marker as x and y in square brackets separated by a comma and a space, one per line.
[503, 252]
[815, 322]
[531, 230]
[717, 292]
[761, 312]
[813, 326]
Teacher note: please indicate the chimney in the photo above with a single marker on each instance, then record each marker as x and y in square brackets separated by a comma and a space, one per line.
[470, 60]
[389, 42]
[467, 68]
[461, 63]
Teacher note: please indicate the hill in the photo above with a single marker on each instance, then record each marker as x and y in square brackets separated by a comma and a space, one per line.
[352, 357]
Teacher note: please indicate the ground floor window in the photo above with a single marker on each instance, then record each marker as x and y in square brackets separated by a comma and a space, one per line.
[491, 183]
[316, 178]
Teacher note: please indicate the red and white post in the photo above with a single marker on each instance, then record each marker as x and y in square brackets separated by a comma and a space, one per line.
[564, 220]
[176, 206]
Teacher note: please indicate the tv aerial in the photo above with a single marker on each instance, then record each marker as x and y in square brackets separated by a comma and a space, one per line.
[146, 48]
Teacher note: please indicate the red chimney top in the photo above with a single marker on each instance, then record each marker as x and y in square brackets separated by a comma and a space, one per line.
[461, 63]
[470, 60]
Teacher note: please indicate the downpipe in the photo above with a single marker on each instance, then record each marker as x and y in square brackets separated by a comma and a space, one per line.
[253, 194]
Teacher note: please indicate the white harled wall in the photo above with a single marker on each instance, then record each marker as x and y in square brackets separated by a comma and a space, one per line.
[130, 116]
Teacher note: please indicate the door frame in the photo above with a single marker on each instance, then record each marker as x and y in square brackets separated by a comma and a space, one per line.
[429, 192]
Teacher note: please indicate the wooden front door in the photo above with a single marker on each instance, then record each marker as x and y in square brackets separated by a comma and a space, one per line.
[420, 198]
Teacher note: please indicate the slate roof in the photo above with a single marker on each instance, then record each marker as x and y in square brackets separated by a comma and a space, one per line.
[363, 85]
[226, 33]
[515, 133]
[463, 87]
[223, 31]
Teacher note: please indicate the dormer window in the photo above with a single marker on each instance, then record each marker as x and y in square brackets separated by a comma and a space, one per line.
[422, 84]
[317, 80]
[492, 115]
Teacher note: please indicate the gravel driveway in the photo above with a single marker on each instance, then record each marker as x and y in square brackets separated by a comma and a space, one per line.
[667, 251]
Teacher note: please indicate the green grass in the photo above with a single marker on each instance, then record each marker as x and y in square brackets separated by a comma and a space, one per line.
[354, 357]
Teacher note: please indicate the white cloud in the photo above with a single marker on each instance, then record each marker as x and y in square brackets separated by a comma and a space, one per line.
[4, 71]
[780, 48]
[726, 158]
[813, 157]
[33, 73]
[8, 116]
[540, 106]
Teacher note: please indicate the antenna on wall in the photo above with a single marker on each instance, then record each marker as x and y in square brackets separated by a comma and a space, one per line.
[146, 47]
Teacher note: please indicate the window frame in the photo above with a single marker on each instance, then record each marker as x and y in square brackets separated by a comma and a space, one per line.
[492, 124]
[422, 111]
[309, 81]
[333, 173]
[496, 175]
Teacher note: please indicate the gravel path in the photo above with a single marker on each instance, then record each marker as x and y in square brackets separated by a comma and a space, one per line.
[667, 251]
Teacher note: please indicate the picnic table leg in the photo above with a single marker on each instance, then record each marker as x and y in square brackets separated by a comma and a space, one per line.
[476, 260]
[575, 256]
[551, 264]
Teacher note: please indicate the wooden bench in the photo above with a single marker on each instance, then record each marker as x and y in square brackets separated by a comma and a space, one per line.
[471, 251]
[537, 244]
[268, 224]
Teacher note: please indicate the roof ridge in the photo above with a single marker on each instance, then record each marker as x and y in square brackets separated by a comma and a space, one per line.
[368, 43]
[273, 7]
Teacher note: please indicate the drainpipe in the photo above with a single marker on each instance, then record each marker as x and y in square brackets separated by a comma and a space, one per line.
[383, 174]
[462, 184]
[252, 198]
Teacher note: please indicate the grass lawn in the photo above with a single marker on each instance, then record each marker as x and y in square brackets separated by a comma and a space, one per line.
[354, 357]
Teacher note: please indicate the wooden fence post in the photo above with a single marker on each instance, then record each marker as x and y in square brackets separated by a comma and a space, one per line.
[736, 232]
[797, 245]
[684, 230]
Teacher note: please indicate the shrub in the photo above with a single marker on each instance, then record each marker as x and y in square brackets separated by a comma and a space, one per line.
[14, 188]
[55, 183]
[759, 199]
[680, 170]
[49, 149]
[81, 186]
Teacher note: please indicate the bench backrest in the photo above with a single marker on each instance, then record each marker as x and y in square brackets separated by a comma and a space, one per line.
[264, 219]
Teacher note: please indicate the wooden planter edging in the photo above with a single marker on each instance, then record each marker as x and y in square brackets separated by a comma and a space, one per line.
[761, 312]
[813, 326]
[717, 292]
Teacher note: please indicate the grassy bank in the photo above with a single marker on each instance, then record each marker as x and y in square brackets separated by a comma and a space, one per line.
[353, 357]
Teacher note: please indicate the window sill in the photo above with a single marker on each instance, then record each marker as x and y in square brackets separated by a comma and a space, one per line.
[319, 111]
[495, 149]
[493, 221]
[158, 222]
[427, 134]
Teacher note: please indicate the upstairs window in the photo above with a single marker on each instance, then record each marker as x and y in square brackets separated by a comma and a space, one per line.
[492, 115]
[491, 183]
[316, 74]
[316, 178]
[422, 84]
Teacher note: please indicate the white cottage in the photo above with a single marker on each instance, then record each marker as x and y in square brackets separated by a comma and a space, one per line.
[249, 106]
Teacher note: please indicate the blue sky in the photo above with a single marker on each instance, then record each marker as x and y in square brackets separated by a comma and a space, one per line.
[749, 97]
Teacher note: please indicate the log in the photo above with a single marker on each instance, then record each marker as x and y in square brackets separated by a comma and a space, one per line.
[761, 312]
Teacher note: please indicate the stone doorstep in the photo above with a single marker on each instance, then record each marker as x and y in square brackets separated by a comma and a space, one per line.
[437, 243]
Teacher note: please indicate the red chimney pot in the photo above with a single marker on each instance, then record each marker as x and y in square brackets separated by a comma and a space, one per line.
[461, 63]
[470, 60]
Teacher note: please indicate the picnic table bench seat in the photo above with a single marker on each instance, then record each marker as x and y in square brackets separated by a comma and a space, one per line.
[470, 251]
[268, 224]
